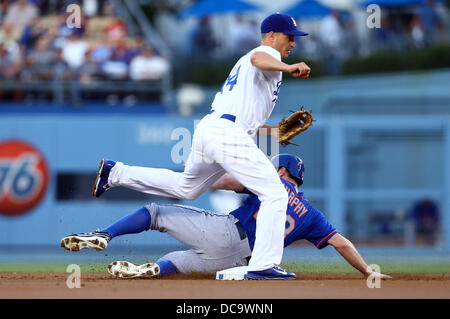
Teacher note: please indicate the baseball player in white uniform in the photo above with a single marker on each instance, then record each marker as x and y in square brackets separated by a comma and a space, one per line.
[223, 142]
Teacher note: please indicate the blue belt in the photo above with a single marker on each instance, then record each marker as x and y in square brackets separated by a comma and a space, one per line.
[229, 117]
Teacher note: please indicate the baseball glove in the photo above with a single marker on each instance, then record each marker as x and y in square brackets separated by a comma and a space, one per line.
[296, 123]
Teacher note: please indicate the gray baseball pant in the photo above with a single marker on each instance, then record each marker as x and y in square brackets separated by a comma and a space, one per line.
[217, 241]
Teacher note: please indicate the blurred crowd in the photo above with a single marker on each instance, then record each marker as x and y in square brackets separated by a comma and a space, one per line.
[419, 28]
[242, 35]
[38, 43]
[333, 37]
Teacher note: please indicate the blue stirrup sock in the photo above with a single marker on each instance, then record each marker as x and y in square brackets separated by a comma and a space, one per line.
[166, 267]
[133, 223]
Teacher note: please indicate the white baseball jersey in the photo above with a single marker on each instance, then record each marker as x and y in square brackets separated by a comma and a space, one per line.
[249, 93]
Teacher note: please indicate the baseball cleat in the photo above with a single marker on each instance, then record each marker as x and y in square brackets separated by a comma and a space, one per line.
[125, 269]
[94, 240]
[274, 273]
[101, 181]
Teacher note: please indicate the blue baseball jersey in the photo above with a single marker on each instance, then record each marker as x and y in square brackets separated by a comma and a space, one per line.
[303, 221]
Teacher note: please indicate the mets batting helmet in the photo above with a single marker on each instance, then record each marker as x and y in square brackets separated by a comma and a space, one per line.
[292, 163]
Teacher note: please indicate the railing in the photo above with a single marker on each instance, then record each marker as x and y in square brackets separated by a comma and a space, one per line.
[73, 91]
[337, 194]
[155, 41]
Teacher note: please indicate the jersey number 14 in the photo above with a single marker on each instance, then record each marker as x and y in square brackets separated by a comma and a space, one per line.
[231, 80]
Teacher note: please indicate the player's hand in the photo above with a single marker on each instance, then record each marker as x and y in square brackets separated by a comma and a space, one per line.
[375, 274]
[299, 70]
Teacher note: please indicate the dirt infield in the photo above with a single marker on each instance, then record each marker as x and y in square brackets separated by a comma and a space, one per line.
[307, 286]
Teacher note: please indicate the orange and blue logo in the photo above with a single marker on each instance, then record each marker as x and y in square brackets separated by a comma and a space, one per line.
[23, 177]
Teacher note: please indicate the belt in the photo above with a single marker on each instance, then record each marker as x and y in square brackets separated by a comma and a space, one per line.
[229, 117]
[241, 230]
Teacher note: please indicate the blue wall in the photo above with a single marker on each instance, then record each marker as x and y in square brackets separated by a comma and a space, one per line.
[388, 147]
[75, 143]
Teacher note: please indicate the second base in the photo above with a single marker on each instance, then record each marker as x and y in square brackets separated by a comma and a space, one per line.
[236, 273]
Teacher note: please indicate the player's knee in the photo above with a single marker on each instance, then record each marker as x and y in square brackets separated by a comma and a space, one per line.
[191, 195]
[153, 210]
[188, 190]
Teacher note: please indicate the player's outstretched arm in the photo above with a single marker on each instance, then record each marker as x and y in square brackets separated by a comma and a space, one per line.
[227, 182]
[346, 248]
[266, 62]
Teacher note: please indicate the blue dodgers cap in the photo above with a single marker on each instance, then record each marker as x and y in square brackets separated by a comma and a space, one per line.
[279, 22]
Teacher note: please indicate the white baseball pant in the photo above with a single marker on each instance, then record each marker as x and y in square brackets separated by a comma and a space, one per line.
[219, 146]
